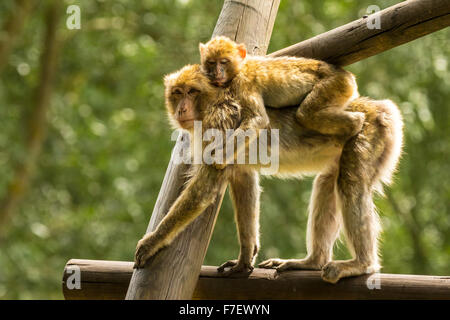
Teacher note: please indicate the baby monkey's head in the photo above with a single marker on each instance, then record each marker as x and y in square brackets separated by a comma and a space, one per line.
[221, 60]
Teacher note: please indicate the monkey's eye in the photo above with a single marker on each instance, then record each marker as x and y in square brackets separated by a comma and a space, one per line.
[176, 92]
[224, 61]
[211, 62]
[193, 91]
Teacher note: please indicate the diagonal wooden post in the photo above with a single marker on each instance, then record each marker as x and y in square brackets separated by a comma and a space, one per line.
[174, 271]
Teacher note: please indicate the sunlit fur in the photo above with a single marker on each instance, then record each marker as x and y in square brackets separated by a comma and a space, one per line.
[348, 172]
[322, 90]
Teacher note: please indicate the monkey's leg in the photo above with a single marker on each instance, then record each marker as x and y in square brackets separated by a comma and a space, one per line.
[361, 223]
[245, 193]
[323, 227]
[198, 194]
[322, 109]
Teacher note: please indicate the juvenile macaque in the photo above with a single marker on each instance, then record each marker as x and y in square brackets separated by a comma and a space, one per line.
[348, 171]
[323, 91]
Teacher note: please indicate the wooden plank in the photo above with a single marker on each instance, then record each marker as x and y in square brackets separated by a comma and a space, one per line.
[350, 43]
[173, 272]
[109, 280]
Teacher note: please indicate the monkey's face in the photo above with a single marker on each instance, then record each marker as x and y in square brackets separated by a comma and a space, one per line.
[183, 100]
[221, 60]
[184, 92]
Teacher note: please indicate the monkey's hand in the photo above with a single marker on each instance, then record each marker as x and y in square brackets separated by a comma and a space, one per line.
[146, 248]
[220, 166]
[218, 149]
[236, 266]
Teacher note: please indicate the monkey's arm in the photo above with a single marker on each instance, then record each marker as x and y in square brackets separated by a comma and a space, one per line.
[253, 118]
[198, 194]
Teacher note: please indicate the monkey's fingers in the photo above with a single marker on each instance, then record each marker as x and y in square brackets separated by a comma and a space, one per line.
[331, 273]
[142, 254]
[239, 269]
[139, 258]
[287, 265]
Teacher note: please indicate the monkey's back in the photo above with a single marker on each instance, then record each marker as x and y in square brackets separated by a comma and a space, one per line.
[282, 81]
[307, 151]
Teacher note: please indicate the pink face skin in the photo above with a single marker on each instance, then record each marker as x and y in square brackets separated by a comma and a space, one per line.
[217, 70]
[185, 113]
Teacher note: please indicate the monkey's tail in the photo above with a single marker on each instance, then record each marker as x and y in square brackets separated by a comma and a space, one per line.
[390, 124]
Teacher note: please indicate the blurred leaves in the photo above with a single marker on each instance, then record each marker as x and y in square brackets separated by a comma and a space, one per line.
[108, 141]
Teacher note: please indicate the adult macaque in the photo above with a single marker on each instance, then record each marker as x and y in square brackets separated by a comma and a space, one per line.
[322, 90]
[348, 171]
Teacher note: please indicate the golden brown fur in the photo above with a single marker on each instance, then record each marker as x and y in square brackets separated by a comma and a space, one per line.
[348, 173]
[322, 90]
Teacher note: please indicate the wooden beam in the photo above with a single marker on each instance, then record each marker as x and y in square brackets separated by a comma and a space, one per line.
[109, 280]
[350, 43]
[173, 272]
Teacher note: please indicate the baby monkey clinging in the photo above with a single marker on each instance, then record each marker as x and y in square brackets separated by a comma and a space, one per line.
[321, 89]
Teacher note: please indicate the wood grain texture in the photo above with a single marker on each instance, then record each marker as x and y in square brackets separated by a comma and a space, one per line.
[350, 43]
[173, 272]
[109, 280]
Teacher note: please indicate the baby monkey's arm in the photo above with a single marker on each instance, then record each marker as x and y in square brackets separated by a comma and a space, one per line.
[253, 118]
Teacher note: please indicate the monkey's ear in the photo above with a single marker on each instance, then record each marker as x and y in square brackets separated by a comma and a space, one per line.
[202, 48]
[166, 78]
[242, 50]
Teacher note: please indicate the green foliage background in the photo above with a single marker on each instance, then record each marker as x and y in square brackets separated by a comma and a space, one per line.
[108, 140]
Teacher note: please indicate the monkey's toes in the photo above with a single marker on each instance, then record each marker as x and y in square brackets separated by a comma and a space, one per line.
[235, 267]
[331, 272]
[287, 265]
[271, 263]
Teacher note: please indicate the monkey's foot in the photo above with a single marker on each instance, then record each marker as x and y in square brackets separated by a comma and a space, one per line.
[145, 249]
[235, 266]
[335, 270]
[291, 264]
